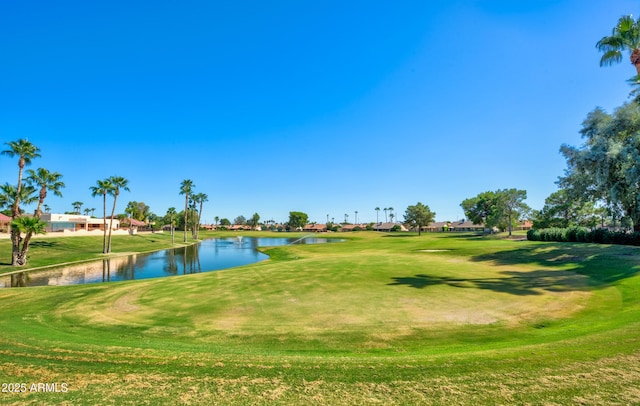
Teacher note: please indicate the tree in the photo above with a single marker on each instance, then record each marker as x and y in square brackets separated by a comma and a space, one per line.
[377, 209]
[606, 167]
[200, 198]
[29, 226]
[297, 219]
[385, 214]
[102, 187]
[171, 212]
[186, 188]
[117, 183]
[225, 222]
[625, 37]
[480, 208]
[240, 220]
[46, 181]
[419, 216]
[561, 209]
[254, 220]
[501, 209]
[77, 207]
[25, 151]
[511, 206]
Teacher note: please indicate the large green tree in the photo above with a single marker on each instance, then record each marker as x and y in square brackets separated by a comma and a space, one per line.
[607, 166]
[25, 151]
[502, 208]
[561, 209]
[186, 187]
[297, 219]
[419, 215]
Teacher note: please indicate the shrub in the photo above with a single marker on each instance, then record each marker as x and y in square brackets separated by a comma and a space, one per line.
[581, 234]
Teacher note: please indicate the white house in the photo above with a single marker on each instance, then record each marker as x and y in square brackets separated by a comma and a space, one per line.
[75, 222]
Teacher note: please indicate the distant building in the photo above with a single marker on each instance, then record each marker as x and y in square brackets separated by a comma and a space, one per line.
[75, 222]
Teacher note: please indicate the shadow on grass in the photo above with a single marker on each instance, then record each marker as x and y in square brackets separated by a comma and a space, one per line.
[573, 267]
[515, 283]
[43, 244]
[603, 264]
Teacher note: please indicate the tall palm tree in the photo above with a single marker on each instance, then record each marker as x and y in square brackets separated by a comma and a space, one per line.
[47, 181]
[385, 214]
[377, 209]
[25, 151]
[391, 216]
[186, 187]
[200, 198]
[102, 188]
[171, 212]
[117, 183]
[625, 37]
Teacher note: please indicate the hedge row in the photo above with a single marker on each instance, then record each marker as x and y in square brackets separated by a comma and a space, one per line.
[581, 234]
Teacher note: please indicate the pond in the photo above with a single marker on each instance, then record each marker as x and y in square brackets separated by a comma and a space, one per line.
[209, 255]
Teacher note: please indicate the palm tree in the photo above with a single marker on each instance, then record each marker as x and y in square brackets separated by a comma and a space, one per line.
[9, 194]
[625, 37]
[87, 211]
[46, 208]
[29, 226]
[200, 198]
[102, 188]
[117, 183]
[25, 151]
[391, 216]
[216, 219]
[185, 189]
[77, 206]
[171, 212]
[47, 181]
[385, 214]
[377, 209]
[355, 221]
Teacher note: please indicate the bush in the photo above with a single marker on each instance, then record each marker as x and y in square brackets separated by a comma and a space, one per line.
[581, 234]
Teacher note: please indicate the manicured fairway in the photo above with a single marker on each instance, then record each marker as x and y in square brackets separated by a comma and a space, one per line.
[377, 319]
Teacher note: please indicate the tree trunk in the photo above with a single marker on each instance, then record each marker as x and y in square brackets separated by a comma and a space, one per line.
[635, 60]
[15, 246]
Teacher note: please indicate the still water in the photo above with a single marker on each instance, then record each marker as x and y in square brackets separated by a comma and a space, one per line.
[209, 255]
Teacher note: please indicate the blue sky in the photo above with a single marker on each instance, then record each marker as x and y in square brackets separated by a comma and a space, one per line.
[324, 107]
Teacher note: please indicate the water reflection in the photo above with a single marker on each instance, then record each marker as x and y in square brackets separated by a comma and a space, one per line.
[209, 255]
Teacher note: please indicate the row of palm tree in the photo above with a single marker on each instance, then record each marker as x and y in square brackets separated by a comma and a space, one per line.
[186, 189]
[41, 181]
[109, 186]
[386, 209]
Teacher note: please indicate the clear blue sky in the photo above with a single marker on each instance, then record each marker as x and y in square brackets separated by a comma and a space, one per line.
[325, 107]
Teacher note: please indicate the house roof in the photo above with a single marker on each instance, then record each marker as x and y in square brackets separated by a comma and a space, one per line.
[4, 218]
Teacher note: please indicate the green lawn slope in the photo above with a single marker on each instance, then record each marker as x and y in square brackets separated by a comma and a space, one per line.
[376, 319]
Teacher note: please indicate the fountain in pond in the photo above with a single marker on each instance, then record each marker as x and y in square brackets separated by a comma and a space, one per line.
[239, 238]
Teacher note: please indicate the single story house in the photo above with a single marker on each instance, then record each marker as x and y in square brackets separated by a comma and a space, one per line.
[315, 228]
[76, 222]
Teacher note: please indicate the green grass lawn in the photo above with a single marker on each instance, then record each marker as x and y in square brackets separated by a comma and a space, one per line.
[376, 319]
